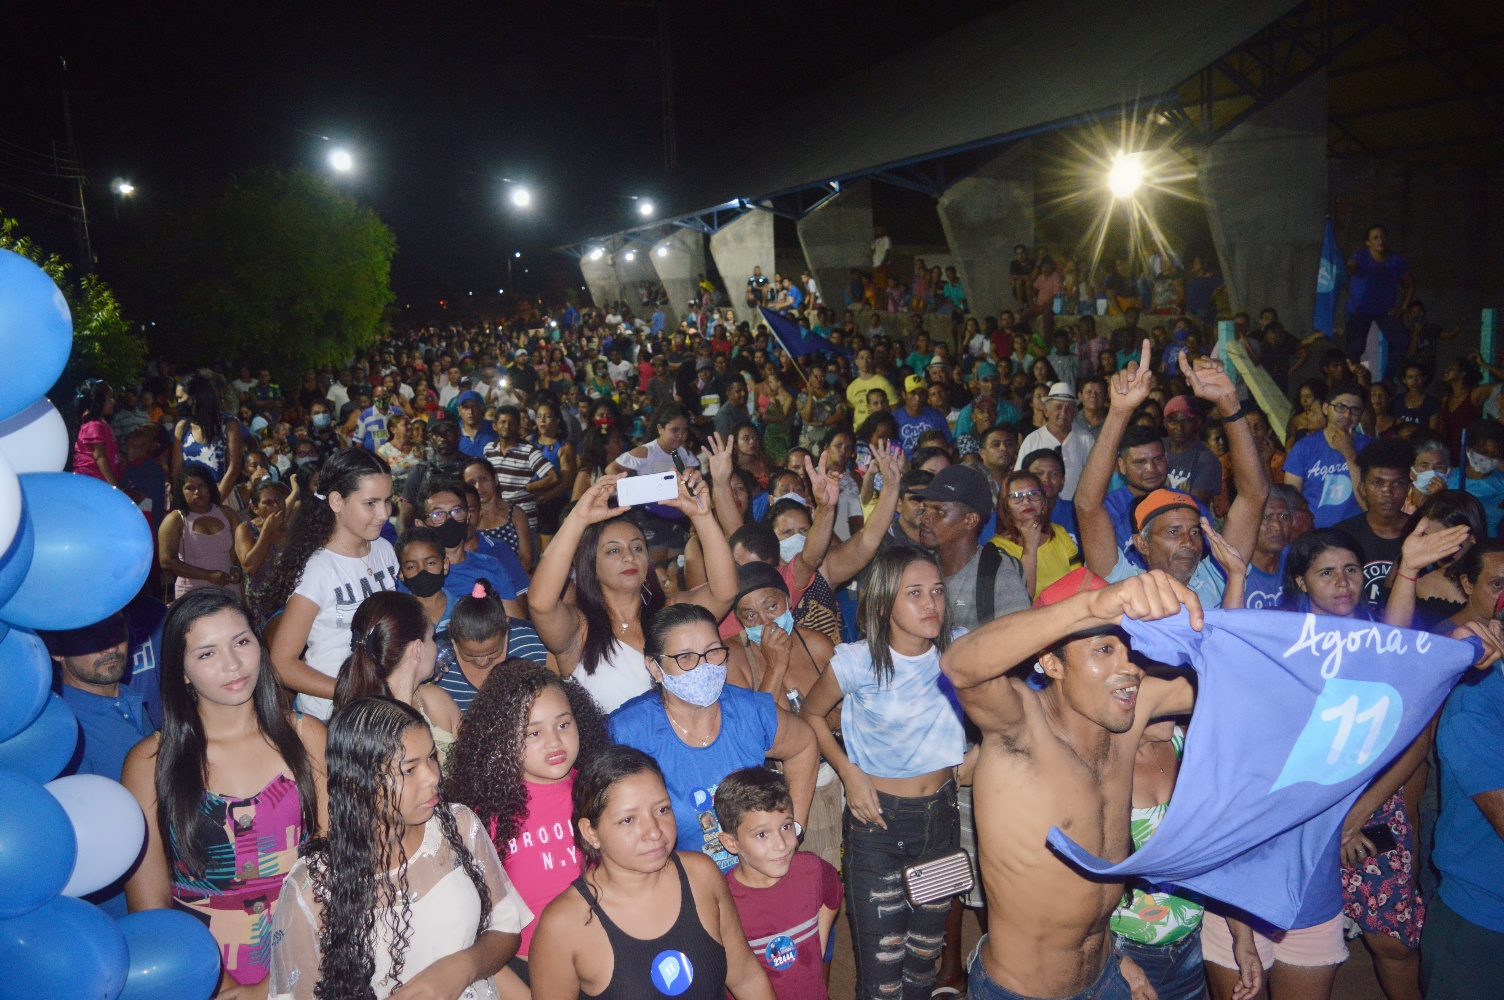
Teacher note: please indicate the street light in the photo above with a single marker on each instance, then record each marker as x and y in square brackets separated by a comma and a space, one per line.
[521, 196]
[630, 255]
[597, 253]
[341, 161]
[1126, 174]
[662, 251]
[123, 188]
[645, 207]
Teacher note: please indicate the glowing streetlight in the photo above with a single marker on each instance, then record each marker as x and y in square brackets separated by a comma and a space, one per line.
[123, 188]
[645, 207]
[662, 251]
[597, 253]
[1126, 175]
[517, 254]
[630, 255]
[341, 161]
[521, 196]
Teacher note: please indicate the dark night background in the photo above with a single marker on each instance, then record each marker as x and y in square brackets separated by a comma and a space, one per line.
[437, 101]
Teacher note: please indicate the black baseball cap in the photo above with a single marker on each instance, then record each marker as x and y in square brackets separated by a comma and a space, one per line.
[960, 484]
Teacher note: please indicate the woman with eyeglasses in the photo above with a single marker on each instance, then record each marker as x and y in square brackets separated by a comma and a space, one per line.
[700, 729]
[1024, 532]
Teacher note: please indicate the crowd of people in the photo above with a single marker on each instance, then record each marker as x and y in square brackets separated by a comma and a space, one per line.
[415, 705]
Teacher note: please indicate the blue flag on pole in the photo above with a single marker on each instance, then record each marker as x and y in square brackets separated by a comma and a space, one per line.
[797, 340]
[1329, 278]
[1295, 715]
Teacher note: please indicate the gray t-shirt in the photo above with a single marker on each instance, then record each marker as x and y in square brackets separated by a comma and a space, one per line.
[1008, 591]
[1196, 468]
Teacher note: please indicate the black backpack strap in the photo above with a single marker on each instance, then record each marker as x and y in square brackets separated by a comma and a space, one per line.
[988, 563]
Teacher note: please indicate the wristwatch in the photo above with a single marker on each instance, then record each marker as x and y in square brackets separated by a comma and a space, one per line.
[799, 832]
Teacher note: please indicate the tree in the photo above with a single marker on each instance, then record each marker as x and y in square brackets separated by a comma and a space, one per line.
[104, 345]
[275, 269]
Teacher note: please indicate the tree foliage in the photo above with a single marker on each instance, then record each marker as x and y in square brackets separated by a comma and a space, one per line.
[104, 345]
[275, 269]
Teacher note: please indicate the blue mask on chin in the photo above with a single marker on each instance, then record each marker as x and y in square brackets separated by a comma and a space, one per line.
[784, 621]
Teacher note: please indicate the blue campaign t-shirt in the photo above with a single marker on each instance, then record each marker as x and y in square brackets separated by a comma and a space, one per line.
[461, 578]
[1119, 506]
[1490, 493]
[1469, 851]
[1295, 715]
[910, 427]
[1373, 288]
[749, 724]
[1326, 481]
[1263, 591]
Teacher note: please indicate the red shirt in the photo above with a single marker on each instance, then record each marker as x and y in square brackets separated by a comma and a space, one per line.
[782, 925]
[542, 859]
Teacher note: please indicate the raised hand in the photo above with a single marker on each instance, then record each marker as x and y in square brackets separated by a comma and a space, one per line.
[594, 505]
[722, 457]
[891, 463]
[1131, 386]
[1147, 597]
[1430, 543]
[694, 496]
[826, 489]
[1209, 380]
[1231, 559]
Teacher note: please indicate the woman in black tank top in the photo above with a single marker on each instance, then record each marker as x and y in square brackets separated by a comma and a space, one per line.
[624, 828]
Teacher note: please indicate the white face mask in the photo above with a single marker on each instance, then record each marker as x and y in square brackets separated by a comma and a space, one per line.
[791, 546]
[1480, 463]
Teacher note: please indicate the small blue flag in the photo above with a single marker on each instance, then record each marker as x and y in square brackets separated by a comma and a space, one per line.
[1329, 278]
[797, 340]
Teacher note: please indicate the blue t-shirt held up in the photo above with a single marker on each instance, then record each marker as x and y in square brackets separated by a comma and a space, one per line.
[1295, 715]
[1326, 481]
[749, 724]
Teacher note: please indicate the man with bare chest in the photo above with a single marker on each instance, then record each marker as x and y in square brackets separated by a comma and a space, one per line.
[1061, 756]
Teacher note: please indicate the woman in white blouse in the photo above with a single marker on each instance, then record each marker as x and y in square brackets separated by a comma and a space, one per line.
[406, 890]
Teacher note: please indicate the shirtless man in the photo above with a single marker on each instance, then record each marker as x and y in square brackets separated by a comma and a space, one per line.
[1062, 756]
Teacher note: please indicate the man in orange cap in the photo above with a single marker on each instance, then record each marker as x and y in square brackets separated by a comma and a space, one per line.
[1170, 531]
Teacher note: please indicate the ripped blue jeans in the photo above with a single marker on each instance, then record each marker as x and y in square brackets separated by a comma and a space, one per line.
[897, 945]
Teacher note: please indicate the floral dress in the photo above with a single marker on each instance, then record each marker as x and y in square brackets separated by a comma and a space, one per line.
[1380, 894]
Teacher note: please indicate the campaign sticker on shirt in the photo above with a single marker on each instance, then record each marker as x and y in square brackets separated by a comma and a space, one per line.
[1351, 724]
[781, 953]
[672, 972]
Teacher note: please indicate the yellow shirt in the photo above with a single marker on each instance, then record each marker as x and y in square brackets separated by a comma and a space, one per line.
[1056, 557]
[856, 395]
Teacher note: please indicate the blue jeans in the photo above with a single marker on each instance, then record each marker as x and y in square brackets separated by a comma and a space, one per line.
[897, 945]
[1110, 985]
[1173, 969]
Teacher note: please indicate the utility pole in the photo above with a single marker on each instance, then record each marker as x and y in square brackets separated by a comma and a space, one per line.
[666, 84]
[80, 214]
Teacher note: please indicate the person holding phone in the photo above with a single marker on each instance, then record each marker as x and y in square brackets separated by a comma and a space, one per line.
[663, 524]
[598, 638]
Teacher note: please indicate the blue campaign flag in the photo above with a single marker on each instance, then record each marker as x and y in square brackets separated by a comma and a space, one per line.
[1295, 715]
[1329, 279]
[797, 340]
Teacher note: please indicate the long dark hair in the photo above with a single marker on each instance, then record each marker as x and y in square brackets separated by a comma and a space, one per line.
[593, 784]
[349, 867]
[384, 626]
[182, 759]
[1448, 509]
[92, 397]
[874, 612]
[313, 524]
[1303, 553]
[600, 630]
[203, 405]
[197, 470]
[485, 764]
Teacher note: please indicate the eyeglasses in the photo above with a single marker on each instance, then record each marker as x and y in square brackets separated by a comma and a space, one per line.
[1343, 408]
[438, 517]
[1025, 494]
[715, 656]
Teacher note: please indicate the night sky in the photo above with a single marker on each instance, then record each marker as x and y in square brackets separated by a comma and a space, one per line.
[438, 101]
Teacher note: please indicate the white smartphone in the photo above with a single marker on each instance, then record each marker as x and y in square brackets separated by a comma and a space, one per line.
[635, 490]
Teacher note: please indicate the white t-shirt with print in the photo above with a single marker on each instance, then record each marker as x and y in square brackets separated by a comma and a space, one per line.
[338, 584]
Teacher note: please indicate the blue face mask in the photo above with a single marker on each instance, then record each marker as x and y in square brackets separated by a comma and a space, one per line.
[784, 621]
[700, 687]
[321, 420]
[790, 547]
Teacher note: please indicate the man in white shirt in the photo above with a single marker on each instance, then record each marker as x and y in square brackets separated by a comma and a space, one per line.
[338, 394]
[619, 370]
[451, 388]
[1059, 432]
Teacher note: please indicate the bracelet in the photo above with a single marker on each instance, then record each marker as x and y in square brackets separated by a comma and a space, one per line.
[1402, 576]
[1239, 415]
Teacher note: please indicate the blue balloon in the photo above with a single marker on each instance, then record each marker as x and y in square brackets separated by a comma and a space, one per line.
[25, 680]
[93, 551]
[173, 956]
[17, 559]
[37, 849]
[66, 950]
[36, 332]
[44, 748]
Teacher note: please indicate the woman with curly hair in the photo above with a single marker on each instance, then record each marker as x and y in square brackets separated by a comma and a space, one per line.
[392, 653]
[231, 786]
[334, 558]
[514, 765]
[406, 892]
[686, 939]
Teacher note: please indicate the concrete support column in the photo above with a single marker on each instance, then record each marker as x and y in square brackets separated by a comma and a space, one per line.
[837, 237]
[679, 260]
[739, 246]
[1265, 186]
[600, 278]
[984, 217]
[633, 265]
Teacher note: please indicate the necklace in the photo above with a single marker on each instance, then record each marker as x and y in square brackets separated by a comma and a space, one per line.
[687, 736]
[624, 626]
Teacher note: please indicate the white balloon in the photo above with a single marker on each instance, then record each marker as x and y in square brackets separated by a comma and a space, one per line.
[10, 504]
[108, 825]
[36, 439]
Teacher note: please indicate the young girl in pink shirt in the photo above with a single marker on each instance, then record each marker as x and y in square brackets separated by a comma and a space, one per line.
[514, 765]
